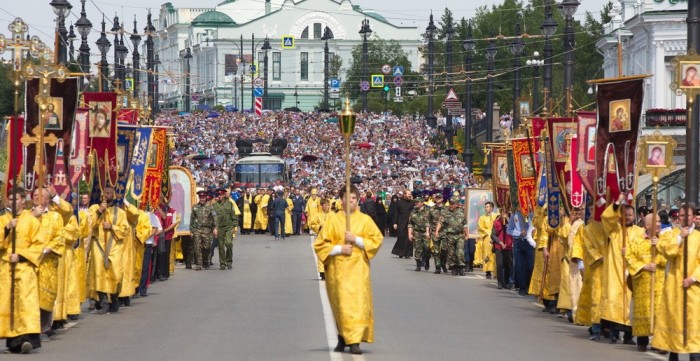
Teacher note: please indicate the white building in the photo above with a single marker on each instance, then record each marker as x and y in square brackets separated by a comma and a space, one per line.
[217, 67]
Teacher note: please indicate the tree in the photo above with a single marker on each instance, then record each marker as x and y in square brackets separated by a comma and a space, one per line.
[7, 90]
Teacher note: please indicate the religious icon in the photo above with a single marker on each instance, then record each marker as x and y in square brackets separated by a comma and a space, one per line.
[527, 169]
[590, 144]
[524, 108]
[121, 158]
[619, 116]
[100, 119]
[502, 165]
[690, 76]
[656, 155]
[475, 207]
[562, 131]
[153, 156]
[54, 114]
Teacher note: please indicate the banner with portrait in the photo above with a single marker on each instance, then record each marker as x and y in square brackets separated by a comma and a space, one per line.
[58, 124]
[619, 109]
[182, 197]
[135, 180]
[501, 181]
[475, 207]
[586, 135]
[524, 163]
[155, 168]
[560, 132]
[78, 158]
[126, 140]
[577, 194]
[102, 141]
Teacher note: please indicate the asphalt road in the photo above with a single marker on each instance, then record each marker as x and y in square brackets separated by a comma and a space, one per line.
[269, 307]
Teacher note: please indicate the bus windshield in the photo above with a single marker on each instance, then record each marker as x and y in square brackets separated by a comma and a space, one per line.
[260, 175]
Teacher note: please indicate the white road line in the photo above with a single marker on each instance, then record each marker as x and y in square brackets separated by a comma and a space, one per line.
[331, 330]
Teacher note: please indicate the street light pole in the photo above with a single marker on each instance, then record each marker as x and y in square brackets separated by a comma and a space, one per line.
[468, 44]
[365, 31]
[491, 51]
[535, 63]
[84, 27]
[117, 49]
[516, 47]
[449, 129]
[136, 59]
[693, 122]
[430, 31]
[103, 45]
[326, 35]
[71, 38]
[61, 8]
[150, 62]
[548, 28]
[156, 95]
[188, 96]
[266, 47]
[568, 9]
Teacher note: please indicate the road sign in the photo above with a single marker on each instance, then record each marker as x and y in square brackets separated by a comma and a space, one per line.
[451, 96]
[386, 69]
[364, 85]
[258, 92]
[288, 42]
[398, 80]
[398, 91]
[455, 111]
[377, 81]
[252, 68]
[398, 70]
[258, 82]
[129, 84]
[334, 95]
[398, 99]
[335, 85]
[258, 106]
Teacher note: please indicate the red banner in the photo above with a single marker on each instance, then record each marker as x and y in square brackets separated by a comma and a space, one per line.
[525, 173]
[102, 138]
[586, 149]
[577, 193]
[155, 168]
[501, 183]
[560, 132]
[15, 159]
[127, 115]
[77, 162]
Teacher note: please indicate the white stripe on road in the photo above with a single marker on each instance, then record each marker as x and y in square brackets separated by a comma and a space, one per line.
[331, 330]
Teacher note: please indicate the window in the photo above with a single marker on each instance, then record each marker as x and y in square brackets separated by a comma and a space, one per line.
[305, 33]
[276, 66]
[317, 31]
[305, 66]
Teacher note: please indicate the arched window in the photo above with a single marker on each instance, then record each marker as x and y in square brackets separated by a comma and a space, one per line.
[305, 33]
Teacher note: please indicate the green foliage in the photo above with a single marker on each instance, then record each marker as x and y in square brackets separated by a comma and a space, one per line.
[7, 91]
[219, 108]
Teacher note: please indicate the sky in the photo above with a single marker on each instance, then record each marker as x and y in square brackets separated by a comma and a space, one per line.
[39, 15]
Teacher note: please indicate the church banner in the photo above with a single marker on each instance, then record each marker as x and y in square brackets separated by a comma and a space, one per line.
[102, 140]
[560, 132]
[77, 162]
[619, 109]
[514, 202]
[155, 168]
[577, 194]
[135, 181]
[15, 159]
[58, 119]
[126, 140]
[501, 184]
[128, 116]
[586, 149]
[525, 173]
[553, 192]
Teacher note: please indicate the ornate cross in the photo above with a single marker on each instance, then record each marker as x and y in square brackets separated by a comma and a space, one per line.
[28, 140]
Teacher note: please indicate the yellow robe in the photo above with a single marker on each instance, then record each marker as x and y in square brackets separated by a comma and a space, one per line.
[615, 299]
[29, 245]
[668, 328]
[80, 261]
[52, 229]
[288, 217]
[591, 236]
[348, 277]
[261, 213]
[247, 214]
[67, 291]
[638, 255]
[315, 224]
[100, 278]
[546, 238]
[570, 285]
[313, 207]
[134, 248]
[143, 230]
[485, 225]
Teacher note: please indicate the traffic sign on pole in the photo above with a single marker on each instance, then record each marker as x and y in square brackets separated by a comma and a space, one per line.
[386, 69]
[258, 82]
[364, 85]
[398, 80]
[258, 106]
[258, 92]
[377, 81]
[398, 70]
[288, 42]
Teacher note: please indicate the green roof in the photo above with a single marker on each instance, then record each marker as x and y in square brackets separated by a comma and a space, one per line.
[213, 18]
[376, 16]
[226, 2]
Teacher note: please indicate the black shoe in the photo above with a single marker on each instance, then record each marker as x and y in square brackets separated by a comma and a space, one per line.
[460, 271]
[355, 349]
[26, 347]
[454, 270]
[322, 275]
[437, 271]
[341, 344]
[444, 269]
[613, 339]
[73, 317]
[418, 265]
[426, 264]
[488, 275]
[595, 337]
[499, 287]
[509, 286]
[126, 301]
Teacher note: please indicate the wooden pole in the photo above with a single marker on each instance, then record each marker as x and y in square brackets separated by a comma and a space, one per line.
[655, 195]
[346, 202]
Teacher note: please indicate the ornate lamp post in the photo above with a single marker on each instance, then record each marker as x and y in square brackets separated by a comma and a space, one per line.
[103, 45]
[568, 9]
[516, 47]
[491, 51]
[116, 29]
[365, 31]
[449, 130]
[61, 8]
[535, 63]
[266, 46]
[149, 30]
[156, 86]
[548, 28]
[71, 39]
[188, 96]
[430, 31]
[136, 59]
[347, 128]
[84, 27]
[122, 52]
[469, 44]
[326, 35]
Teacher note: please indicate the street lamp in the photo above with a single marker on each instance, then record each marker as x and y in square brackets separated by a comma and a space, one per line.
[71, 39]
[156, 95]
[84, 27]
[449, 129]
[326, 35]
[296, 97]
[188, 96]
[136, 59]
[266, 47]
[365, 31]
[568, 9]
[429, 32]
[122, 51]
[61, 8]
[491, 51]
[516, 48]
[103, 45]
[548, 28]
[149, 30]
[116, 29]
[535, 63]
[469, 44]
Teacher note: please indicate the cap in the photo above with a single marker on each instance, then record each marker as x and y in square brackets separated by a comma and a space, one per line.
[674, 213]
[419, 200]
[203, 193]
[454, 200]
[314, 191]
[221, 190]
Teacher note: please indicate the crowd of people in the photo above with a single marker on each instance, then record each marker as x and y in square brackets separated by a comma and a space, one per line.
[56, 261]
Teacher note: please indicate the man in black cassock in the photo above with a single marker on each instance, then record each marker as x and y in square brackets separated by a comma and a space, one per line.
[403, 247]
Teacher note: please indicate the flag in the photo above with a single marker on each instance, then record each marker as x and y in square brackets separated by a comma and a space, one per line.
[165, 179]
[553, 193]
[126, 140]
[102, 141]
[135, 182]
[577, 194]
[155, 168]
[619, 109]
[501, 183]
[77, 162]
[561, 130]
[61, 105]
[525, 172]
[15, 159]
[128, 116]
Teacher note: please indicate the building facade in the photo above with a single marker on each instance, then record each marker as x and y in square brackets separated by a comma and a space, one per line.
[226, 44]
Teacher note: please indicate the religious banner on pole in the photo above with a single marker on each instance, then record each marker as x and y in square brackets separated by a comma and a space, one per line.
[60, 106]
[501, 182]
[102, 141]
[525, 173]
[577, 194]
[619, 109]
[77, 162]
[155, 168]
[561, 130]
[128, 116]
[553, 191]
[135, 180]
[126, 140]
[514, 201]
[15, 160]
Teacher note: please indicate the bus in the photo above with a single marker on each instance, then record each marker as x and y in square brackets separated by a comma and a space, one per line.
[260, 170]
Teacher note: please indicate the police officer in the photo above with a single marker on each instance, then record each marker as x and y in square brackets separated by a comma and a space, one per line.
[227, 221]
[418, 229]
[439, 249]
[456, 231]
[203, 224]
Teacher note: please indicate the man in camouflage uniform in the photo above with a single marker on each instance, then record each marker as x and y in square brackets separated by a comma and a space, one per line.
[456, 231]
[227, 221]
[418, 228]
[203, 224]
[439, 249]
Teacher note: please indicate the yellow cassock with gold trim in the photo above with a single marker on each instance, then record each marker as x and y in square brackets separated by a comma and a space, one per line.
[347, 277]
[106, 276]
[52, 234]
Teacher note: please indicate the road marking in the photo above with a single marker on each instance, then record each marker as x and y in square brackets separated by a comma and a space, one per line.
[331, 330]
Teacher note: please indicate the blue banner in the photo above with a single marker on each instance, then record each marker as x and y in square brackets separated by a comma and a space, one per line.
[126, 138]
[553, 191]
[138, 162]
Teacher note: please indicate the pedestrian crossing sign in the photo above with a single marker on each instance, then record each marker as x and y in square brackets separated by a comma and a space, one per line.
[288, 42]
[377, 80]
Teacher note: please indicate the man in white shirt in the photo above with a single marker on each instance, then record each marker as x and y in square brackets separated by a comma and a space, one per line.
[156, 229]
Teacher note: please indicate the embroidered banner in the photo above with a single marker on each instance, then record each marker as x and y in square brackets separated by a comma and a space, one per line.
[15, 158]
[577, 192]
[525, 173]
[58, 116]
[102, 140]
[77, 162]
[126, 140]
[501, 179]
[138, 165]
[619, 105]
[553, 192]
[155, 165]
[561, 130]
[514, 201]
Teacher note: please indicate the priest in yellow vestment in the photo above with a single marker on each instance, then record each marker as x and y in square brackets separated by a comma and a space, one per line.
[346, 255]
[484, 226]
[313, 206]
[315, 224]
[669, 325]
[262, 200]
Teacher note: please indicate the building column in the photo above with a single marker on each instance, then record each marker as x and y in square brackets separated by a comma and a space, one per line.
[660, 81]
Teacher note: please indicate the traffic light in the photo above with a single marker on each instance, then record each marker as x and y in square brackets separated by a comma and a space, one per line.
[386, 88]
